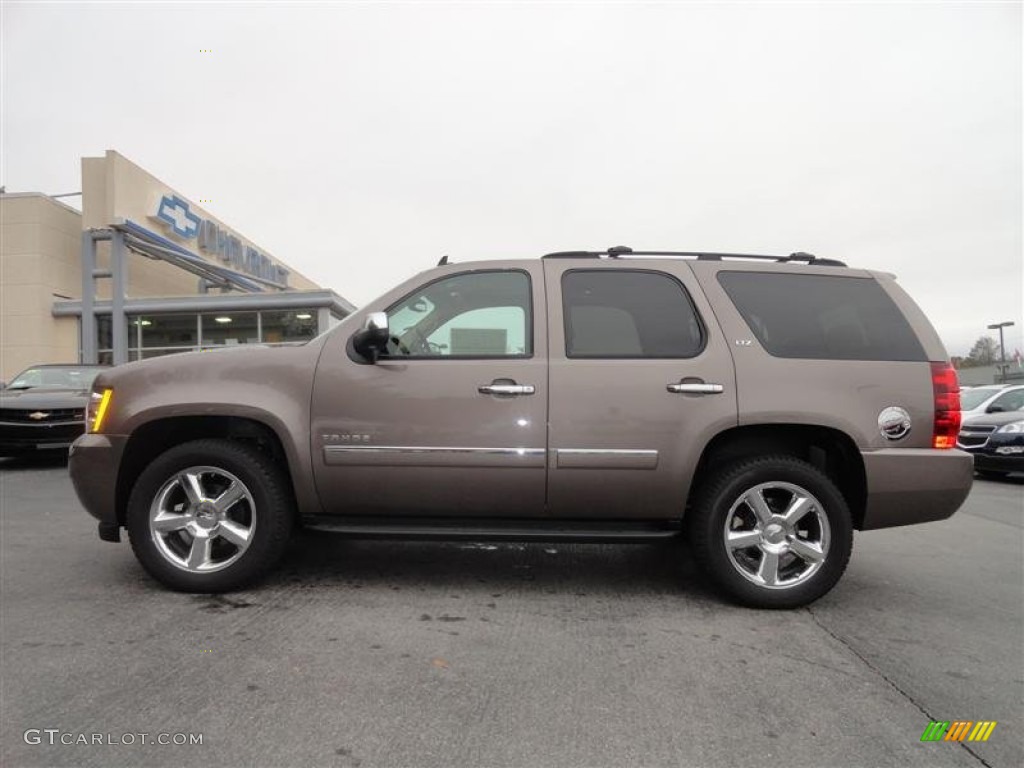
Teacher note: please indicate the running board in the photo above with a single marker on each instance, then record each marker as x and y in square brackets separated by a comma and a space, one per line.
[495, 530]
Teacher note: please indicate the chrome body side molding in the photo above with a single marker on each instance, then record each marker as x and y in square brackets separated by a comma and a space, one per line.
[432, 456]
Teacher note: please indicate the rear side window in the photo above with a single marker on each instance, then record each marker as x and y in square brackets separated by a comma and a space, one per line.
[822, 317]
[628, 314]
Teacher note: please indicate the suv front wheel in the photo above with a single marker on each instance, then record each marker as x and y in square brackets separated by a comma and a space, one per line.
[209, 516]
[772, 532]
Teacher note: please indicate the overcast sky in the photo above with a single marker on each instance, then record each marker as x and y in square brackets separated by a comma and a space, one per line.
[359, 143]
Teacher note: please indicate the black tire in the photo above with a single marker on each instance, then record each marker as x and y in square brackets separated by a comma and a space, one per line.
[270, 513]
[991, 474]
[706, 523]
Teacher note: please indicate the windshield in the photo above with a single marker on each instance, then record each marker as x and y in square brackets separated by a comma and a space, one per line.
[56, 377]
[972, 398]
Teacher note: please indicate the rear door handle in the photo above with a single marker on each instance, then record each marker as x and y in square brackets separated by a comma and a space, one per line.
[695, 388]
[506, 389]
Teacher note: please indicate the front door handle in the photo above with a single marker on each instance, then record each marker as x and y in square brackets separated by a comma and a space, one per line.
[496, 388]
[695, 388]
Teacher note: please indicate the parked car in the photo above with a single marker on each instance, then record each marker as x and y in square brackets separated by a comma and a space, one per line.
[996, 441]
[764, 406]
[991, 398]
[43, 408]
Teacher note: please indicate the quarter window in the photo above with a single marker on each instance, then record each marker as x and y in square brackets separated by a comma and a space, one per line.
[822, 317]
[471, 315]
[628, 314]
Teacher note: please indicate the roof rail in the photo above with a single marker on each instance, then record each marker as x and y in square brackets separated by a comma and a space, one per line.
[622, 251]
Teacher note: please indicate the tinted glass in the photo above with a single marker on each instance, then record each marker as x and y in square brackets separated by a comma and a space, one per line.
[165, 330]
[289, 325]
[624, 313]
[53, 377]
[972, 398]
[230, 328]
[821, 316]
[1009, 401]
[477, 314]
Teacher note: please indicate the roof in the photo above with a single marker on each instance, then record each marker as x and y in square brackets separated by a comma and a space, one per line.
[624, 251]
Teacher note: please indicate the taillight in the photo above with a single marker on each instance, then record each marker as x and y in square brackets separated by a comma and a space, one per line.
[947, 406]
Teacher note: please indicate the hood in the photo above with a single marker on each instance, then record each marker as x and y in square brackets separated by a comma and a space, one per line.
[41, 399]
[237, 362]
[995, 419]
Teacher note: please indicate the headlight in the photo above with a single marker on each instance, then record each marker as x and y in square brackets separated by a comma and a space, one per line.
[1013, 428]
[99, 404]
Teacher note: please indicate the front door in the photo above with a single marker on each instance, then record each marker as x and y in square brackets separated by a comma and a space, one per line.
[641, 379]
[451, 421]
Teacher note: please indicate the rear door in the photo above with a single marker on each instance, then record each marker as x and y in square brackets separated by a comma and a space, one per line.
[641, 378]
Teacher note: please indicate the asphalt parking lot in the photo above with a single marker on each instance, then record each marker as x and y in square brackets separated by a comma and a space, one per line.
[411, 654]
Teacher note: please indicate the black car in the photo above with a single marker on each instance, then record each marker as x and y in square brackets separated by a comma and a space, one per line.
[996, 440]
[44, 407]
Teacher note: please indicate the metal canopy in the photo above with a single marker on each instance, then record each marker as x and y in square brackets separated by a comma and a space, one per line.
[127, 235]
[148, 244]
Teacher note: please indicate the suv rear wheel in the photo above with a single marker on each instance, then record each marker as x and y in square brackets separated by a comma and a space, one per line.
[772, 532]
[209, 516]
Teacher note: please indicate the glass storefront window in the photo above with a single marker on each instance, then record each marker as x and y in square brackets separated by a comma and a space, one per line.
[149, 353]
[227, 328]
[289, 325]
[105, 332]
[154, 335]
[163, 331]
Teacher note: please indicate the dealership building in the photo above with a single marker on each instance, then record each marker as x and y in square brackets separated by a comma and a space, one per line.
[141, 271]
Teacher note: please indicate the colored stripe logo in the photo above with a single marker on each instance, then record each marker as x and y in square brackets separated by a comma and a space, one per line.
[958, 730]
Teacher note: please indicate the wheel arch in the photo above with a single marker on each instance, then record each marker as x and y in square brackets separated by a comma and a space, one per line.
[152, 438]
[829, 449]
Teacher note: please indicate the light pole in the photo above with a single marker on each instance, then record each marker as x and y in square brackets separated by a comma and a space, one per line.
[1002, 349]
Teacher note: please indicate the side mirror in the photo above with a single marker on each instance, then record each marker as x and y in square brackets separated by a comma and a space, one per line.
[994, 409]
[371, 339]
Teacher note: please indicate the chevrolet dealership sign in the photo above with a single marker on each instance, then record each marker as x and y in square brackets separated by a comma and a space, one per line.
[115, 190]
[215, 240]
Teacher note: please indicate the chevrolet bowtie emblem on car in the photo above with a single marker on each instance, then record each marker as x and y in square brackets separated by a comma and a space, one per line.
[38, 415]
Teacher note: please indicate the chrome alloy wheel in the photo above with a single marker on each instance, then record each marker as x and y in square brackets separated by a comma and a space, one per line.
[777, 535]
[202, 519]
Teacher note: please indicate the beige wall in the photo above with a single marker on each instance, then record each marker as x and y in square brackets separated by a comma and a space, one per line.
[117, 189]
[40, 259]
[40, 245]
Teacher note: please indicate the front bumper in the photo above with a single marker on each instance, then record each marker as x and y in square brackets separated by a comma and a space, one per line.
[93, 466]
[914, 485]
[28, 438]
[992, 462]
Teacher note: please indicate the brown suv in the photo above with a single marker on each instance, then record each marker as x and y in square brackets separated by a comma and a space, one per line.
[764, 406]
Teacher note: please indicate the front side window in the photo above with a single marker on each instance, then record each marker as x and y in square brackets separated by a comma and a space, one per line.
[628, 314]
[475, 314]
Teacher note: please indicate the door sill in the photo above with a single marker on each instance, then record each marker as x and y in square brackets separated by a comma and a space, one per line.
[456, 529]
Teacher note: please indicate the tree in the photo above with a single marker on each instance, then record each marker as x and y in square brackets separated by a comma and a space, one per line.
[984, 352]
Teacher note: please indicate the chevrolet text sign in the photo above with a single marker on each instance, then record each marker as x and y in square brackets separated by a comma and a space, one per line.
[215, 240]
